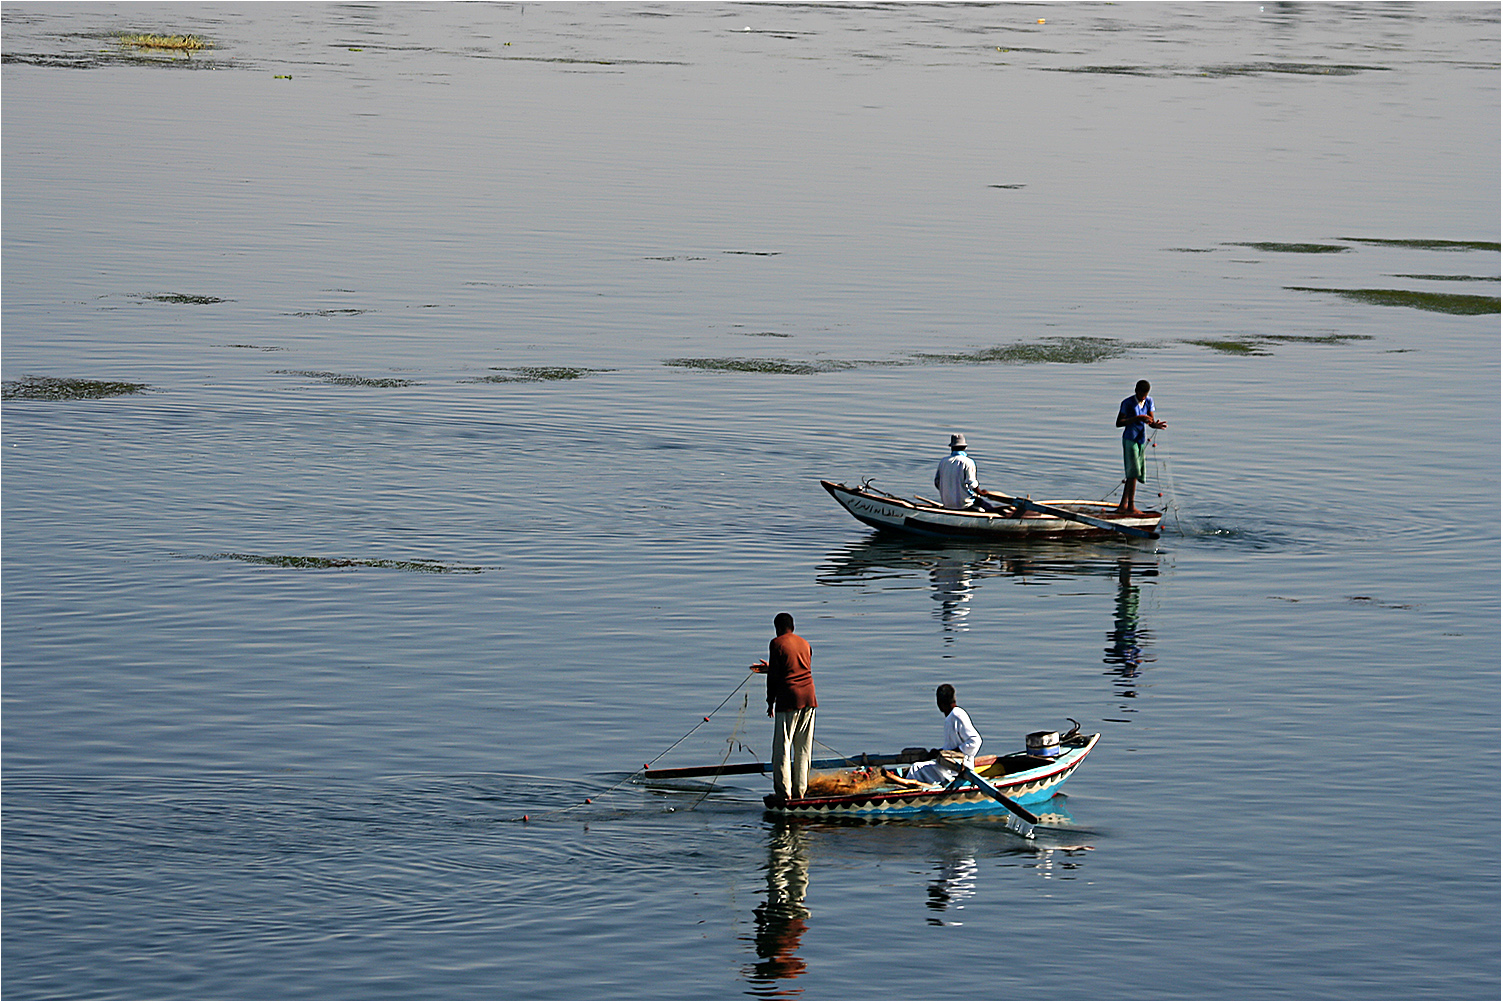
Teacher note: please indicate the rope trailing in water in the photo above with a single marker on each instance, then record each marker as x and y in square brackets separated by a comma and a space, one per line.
[730, 742]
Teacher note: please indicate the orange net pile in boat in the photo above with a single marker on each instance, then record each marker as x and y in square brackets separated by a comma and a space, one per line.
[837, 784]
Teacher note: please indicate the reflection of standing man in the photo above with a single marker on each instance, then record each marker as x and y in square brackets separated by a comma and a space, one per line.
[1132, 414]
[790, 704]
[780, 920]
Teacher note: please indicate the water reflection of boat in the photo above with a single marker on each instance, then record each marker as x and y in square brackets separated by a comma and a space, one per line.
[879, 558]
[960, 852]
[956, 570]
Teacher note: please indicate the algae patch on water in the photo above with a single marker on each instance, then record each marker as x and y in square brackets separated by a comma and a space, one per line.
[1257, 344]
[181, 43]
[1448, 278]
[1454, 303]
[53, 388]
[341, 380]
[535, 374]
[1430, 245]
[191, 298]
[1230, 346]
[784, 366]
[1280, 248]
[1063, 349]
[297, 561]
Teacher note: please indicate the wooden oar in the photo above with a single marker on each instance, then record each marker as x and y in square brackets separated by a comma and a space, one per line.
[865, 759]
[1064, 513]
[998, 796]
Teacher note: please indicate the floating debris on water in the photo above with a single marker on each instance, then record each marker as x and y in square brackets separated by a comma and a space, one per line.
[1430, 245]
[1454, 303]
[758, 254]
[340, 379]
[1318, 339]
[1449, 278]
[56, 389]
[536, 374]
[762, 365]
[180, 298]
[1229, 346]
[1192, 250]
[292, 561]
[187, 43]
[1062, 349]
[1257, 344]
[336, 312]
[259, 348]
[1274, 246]
[1299, 69]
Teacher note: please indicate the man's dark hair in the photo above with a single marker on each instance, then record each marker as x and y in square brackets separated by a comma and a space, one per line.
[945, 692]
[1141, 387]
[782, 622]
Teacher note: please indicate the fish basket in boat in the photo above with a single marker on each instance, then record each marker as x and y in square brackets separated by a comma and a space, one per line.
[1043, 743]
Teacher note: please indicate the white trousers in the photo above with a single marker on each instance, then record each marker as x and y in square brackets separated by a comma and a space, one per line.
[792, 747]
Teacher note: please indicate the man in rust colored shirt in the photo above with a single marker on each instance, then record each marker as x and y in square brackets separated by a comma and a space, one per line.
[790, 704]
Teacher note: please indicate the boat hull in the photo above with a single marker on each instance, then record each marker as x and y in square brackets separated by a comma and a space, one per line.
[887, 512]
[1037, 783]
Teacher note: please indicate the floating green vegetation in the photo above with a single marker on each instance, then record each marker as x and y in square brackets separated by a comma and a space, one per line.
[51, 388]
[180, 298]
[341, 380]
[1430, 245]
[761, 365]
[1450, 278]
[183, 43]
[1229, 346]
[1124, 71]
[1192, 250]
[1456, 303]
[1318, 339]
[289, 561]
[1257, 344]
[1073, 350]
[535, 374]
[1274, 246]
[1300, 69]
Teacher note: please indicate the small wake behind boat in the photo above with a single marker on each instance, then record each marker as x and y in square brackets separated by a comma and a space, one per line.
[1020, 518]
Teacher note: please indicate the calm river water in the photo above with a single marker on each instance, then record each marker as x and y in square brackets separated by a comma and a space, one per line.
[487, 361]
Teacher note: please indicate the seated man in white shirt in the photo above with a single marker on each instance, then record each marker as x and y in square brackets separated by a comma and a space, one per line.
[962, 740]
[956, 479]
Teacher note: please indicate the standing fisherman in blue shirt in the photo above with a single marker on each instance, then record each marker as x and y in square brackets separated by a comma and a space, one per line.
[1135, 412]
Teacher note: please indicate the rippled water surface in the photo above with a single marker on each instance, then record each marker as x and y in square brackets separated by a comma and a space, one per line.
[414, 418]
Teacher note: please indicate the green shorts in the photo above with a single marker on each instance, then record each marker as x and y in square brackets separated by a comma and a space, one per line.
[1132, 460]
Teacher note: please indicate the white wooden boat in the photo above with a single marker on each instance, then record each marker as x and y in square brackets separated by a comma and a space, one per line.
[1022, 518]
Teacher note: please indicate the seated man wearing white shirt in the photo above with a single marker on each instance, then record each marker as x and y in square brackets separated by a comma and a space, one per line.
[962, 740]
[956, 479]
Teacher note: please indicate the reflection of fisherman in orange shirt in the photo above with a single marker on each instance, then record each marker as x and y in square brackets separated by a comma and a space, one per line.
[780, 919]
